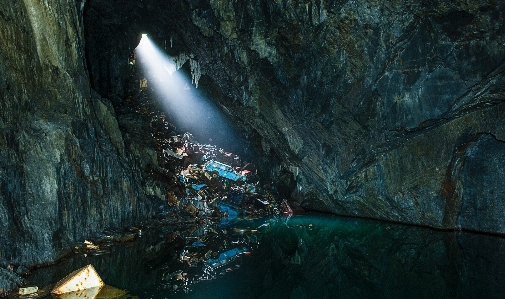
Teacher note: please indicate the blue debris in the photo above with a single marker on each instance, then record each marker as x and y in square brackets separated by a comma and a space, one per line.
[197, 243]
[250, 189]
[225, 258]
[232, 214]
[224, 170]
[197, 187]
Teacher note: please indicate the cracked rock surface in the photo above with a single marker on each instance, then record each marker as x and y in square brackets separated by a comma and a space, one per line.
[379, 110]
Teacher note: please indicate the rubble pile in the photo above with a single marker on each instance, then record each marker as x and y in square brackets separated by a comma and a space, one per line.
[219, 186]
[204, 182]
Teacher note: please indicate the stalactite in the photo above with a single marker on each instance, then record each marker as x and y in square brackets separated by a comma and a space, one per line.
[196, 71]
[180, 60]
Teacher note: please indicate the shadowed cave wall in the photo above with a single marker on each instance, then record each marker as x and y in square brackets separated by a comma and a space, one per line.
[390, 111]
[384, 110]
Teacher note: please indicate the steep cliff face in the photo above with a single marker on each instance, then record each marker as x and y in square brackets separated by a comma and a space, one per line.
[385, 110]
[64, 171]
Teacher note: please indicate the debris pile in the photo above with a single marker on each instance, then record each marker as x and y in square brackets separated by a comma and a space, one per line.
[218, 184]
[218, 188]
[205, 183]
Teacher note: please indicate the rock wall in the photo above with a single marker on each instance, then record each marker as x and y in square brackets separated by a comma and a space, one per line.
[375, 108]
[391, 110]
[65, 173]
[384, 110]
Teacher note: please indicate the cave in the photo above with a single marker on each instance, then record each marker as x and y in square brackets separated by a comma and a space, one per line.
[385, 119]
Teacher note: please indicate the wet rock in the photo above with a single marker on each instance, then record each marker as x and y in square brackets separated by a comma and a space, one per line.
[482, 163]
[8, 281]
[65, 173]
[22, 270]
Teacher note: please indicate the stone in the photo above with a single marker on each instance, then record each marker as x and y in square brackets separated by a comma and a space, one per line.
[28, 290]
[482, 165]
[61, 145]
[8, 281]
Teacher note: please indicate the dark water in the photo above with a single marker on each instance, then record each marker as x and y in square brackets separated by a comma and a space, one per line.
[309, 256]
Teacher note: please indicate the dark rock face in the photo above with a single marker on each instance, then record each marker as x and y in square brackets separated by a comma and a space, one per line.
[385, 110]
[483, 203]
[372, 106]
[65, 173]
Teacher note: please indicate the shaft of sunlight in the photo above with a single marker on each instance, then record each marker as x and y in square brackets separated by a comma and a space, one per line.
[190, 110]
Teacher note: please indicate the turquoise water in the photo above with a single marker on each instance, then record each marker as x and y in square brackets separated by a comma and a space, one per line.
[308, 256]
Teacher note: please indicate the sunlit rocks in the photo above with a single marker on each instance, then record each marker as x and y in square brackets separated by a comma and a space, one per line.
[28, 290]
[85, 282]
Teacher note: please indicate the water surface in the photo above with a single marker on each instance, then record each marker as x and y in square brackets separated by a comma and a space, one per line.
[307, 256]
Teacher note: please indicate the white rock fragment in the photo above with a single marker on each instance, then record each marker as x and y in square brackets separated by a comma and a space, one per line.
[78, 281]
[28, 290]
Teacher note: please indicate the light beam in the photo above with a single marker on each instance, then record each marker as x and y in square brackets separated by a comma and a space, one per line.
[190, 110]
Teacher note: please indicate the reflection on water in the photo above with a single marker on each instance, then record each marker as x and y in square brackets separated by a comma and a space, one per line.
[308, 256]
